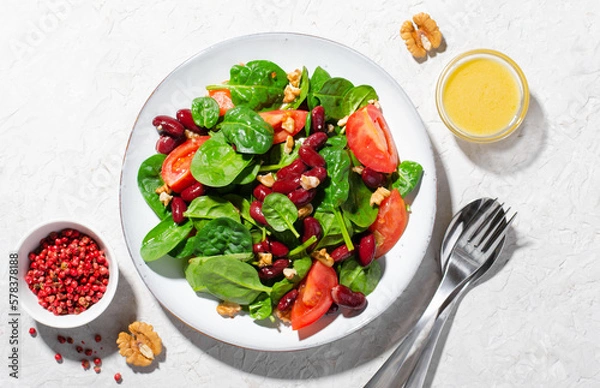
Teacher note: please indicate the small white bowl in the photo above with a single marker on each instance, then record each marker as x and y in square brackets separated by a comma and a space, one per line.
[29, 301]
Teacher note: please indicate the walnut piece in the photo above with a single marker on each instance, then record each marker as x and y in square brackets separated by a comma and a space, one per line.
[305, 211]
[165, 198]
[289, 144]
[323, 257]
[141, 345]
[264, 259]
[294, 77]
[288, 124]
[379, 195]
[425, 37]
[309, 182]
[290, 93]
[266, 179]
[228, 309]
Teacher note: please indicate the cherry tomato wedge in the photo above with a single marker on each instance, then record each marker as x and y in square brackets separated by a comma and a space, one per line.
[314, 295]
[276, 117]
[176, 167]
[390, 223]
[370, 139]
[223, 98]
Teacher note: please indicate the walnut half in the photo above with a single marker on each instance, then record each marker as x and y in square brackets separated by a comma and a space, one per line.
[422, 39]
[141, 346]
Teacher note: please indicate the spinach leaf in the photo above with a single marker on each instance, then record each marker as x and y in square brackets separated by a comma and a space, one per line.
[230, 279]
[163, 238]
[261, 308]
[331, 95]
[248, 174]
[281, 288]
[247, 130]
[211, 207]
[277, 158]
[243, 207]
[257, 85]
[185, 249]
[319, 77]
[205, 112]
[304, 87]
[357, 97]
[407, 177]
[280, 213]
[223, 236]
[191, 274]
[217, 164]
[148, 180]
[333, 230]
[336, 186]
[357, 208]
[359, 278]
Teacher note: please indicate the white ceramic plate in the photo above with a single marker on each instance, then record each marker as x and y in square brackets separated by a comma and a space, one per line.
[165, 277]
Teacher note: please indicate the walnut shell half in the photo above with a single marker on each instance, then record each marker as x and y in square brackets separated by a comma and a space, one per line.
[141, 346]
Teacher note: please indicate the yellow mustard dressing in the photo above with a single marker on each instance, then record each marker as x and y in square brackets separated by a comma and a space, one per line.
[481, 96]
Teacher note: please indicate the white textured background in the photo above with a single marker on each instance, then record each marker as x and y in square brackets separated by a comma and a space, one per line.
[74, 74]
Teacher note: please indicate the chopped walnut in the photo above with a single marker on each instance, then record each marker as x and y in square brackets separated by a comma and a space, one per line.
[290, 93]
[424, 38]
[264, 259]
[228, 309]
[266, 179]
[289, 145]
[323, 257]
[165, 198]
[284, 316]
[163, 189]
[191, 135]
[379, 195]
[288, 124]
[375, 103]
[294, 77]
[305, 211]
[330, 128]
[290, 273]
[342, 122]
[358, 169]
[141, 346]
[309, 182]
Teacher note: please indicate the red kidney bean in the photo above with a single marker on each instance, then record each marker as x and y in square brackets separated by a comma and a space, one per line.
[366, 249]
[345, 297]
[287, 300]
[261, 191]
[192, 192]
[278, 249]
[332, 309]
[274, 270]
[317, 119]
[311, 227]
[341, 253]
[184, 116]
[372, 178]
[178, 207]
[316, 140]
[287, 185]
[318, 172]
[301, 197]
[262, 246]
[165, 144]
[311, 157]
[256, 212]
[168, 125]
[297, 167]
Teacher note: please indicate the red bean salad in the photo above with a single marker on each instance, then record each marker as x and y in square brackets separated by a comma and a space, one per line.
[280, 190]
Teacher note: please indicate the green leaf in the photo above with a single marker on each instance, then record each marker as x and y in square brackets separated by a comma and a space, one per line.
[163, 238]
[357, 208]
[185, 249]
[261, 308]
[333, 232]
[148, 180]
[357, 97]
[247, 130]
[336, 187]
[211, 207]
[331, 96]
[359, 278]
[223, 236]
[205, 112]
[217, 164]
[407, 177]
[319, 77]
[280, 213]
[230, 280]
[304, 87]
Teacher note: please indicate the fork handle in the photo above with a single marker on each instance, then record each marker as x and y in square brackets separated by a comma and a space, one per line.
[398, 367]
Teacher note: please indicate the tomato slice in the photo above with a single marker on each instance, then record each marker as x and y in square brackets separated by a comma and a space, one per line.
[314, 295]
[223, 98]
[390, 223]
[276, 117]
[370, 139]
[176, 167]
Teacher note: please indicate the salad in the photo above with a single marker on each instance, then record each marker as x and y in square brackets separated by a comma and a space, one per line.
[278, 192]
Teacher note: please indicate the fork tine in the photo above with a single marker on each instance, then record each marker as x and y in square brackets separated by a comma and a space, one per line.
[483, 232]
[496, 237]
[478, 220]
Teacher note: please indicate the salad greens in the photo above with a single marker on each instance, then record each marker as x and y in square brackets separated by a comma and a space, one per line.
[224, 233]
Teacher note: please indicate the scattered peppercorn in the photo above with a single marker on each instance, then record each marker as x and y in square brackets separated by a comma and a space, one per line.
[58, 357]
[118, 378]
[61, 339]
[32, 331]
